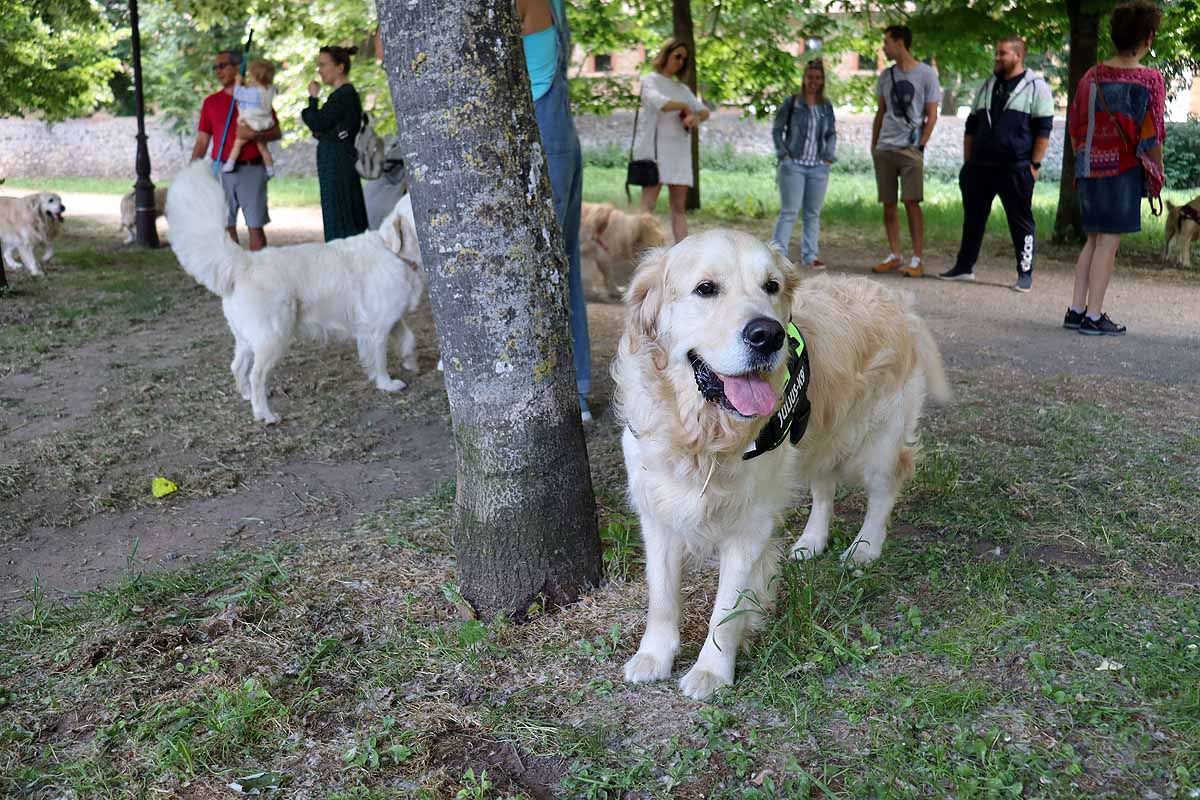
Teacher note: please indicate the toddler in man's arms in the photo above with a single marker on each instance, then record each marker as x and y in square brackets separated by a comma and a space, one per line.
[254, 101]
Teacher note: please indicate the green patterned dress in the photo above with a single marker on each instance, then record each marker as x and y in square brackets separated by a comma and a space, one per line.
[335, 125]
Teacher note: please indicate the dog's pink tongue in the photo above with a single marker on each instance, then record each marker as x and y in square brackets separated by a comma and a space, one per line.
[750, 394]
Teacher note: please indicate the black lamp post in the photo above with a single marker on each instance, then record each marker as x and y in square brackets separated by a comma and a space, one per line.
[143, 190]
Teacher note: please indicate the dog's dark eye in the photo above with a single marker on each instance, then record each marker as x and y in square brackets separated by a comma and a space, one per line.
[706, 289]
[771, 287]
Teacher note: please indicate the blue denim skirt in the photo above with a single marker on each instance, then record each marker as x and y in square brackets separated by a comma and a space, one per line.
[1112, 204]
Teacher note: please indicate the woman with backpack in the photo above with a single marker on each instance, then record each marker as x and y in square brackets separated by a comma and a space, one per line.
[805, 145]
[1117, 132]
[336, 126]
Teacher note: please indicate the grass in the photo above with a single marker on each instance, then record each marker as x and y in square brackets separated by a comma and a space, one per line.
[1032, 630]
[1001, 648]
[285, 191]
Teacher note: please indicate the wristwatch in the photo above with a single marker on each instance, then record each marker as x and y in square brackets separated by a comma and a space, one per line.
[1035, 164]
[921, 147]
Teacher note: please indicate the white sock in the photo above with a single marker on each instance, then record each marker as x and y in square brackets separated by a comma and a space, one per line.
[916, 261]
[892, 257]
[1094, 317]
[1075, 310]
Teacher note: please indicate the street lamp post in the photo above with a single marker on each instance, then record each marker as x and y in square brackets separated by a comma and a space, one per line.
[143, 189]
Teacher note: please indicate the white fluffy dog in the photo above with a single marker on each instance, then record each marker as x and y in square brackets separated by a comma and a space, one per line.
[357, 288]
[700, 370]
[26, 222]
[129, 211]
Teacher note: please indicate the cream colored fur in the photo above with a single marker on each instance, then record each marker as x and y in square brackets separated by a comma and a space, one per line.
[357, 288]
[1179, 233]
[26, 222]
[129, 211]
[610, 244]
[873, 361]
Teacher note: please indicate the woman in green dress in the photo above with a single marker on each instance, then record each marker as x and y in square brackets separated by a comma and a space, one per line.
[335, 125]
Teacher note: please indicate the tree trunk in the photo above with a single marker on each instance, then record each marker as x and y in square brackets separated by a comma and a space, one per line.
[685, 32]
[525, 516]
[1085, 43]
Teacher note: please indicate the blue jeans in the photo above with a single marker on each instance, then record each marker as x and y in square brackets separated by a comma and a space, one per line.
[801, 187]
[564, 161]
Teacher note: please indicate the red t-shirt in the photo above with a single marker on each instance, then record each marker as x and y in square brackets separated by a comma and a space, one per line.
[213, 113]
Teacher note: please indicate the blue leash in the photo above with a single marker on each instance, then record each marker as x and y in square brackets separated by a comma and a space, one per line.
[232, 105]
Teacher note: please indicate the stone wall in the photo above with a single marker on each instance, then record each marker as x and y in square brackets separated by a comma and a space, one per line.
[105, 146]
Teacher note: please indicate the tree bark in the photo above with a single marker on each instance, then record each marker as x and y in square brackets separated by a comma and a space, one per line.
[525, 517]
[684, 31]
[1085, 43]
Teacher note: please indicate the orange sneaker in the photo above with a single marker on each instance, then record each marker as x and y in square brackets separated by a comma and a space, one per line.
[913, 270]
[887, 265]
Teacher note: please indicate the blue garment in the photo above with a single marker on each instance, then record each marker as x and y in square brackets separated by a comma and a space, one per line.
[1112, 204]
[564, 163]
[541, 58]
[804, 187]
[790, 143]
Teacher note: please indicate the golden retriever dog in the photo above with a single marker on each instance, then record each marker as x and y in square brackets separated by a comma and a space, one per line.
[1181, 229]
[700, 369]
[26, 222]
[610, 244]
[358, 288]
[129, 211]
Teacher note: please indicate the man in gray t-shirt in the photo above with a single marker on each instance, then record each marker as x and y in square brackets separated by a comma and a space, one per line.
[908, 94]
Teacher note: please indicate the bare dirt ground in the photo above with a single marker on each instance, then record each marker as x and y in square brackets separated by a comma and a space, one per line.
[84, 430]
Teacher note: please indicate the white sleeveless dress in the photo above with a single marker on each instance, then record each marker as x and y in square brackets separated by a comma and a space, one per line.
[674, 143]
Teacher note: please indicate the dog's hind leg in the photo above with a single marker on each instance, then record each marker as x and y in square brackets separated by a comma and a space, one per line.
[882, 487]
[266, 357]
[739, 595]
[406, 344]
[664, 574]
[243, 357]
[816, 531]
[372, 354]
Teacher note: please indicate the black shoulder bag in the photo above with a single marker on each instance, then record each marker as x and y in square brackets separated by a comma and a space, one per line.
[643, 172]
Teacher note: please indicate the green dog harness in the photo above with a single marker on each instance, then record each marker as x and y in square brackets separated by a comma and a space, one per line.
[792, 417]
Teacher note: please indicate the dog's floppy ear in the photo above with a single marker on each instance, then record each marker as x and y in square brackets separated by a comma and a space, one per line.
[399, 232]
[791, 275]
[644, 298]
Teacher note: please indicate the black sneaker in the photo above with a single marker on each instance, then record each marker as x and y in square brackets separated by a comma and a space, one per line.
[957, 274]
[1101, 327]
[1024, 283]
[1073, 319]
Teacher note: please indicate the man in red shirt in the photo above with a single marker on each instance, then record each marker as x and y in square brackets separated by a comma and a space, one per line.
[246, 186]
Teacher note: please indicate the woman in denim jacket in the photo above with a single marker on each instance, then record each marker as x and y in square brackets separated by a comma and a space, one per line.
[805, 142]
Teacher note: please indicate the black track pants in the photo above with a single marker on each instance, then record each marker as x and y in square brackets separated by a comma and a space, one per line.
[980, 183]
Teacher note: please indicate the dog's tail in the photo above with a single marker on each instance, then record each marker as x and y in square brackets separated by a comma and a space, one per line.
[196, 212]
[928, 355]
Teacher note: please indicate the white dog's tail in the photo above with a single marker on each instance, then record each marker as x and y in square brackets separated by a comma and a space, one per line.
[196, 212]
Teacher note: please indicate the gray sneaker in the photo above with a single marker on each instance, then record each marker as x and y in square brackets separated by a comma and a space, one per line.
[1024, 282]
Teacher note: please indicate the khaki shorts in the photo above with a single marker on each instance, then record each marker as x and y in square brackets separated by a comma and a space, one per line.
[908, 166]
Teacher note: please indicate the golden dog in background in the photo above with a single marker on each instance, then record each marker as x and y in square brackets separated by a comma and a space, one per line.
[699, 371]
[26, 222]
[129, 211]
[610, 243]
[1180, 230]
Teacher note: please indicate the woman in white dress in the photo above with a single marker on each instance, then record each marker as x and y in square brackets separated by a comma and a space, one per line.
[669, 112]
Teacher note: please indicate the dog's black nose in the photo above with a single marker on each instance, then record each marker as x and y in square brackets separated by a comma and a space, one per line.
[764, 334]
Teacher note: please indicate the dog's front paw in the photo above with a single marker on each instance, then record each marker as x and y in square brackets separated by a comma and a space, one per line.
[700, 683]
[647, 666]
[391, 385]
[807, 547]
[862, 553]
[409, 364]
[268, 418]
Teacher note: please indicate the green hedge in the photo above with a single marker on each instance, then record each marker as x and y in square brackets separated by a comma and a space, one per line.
[1181, 154]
